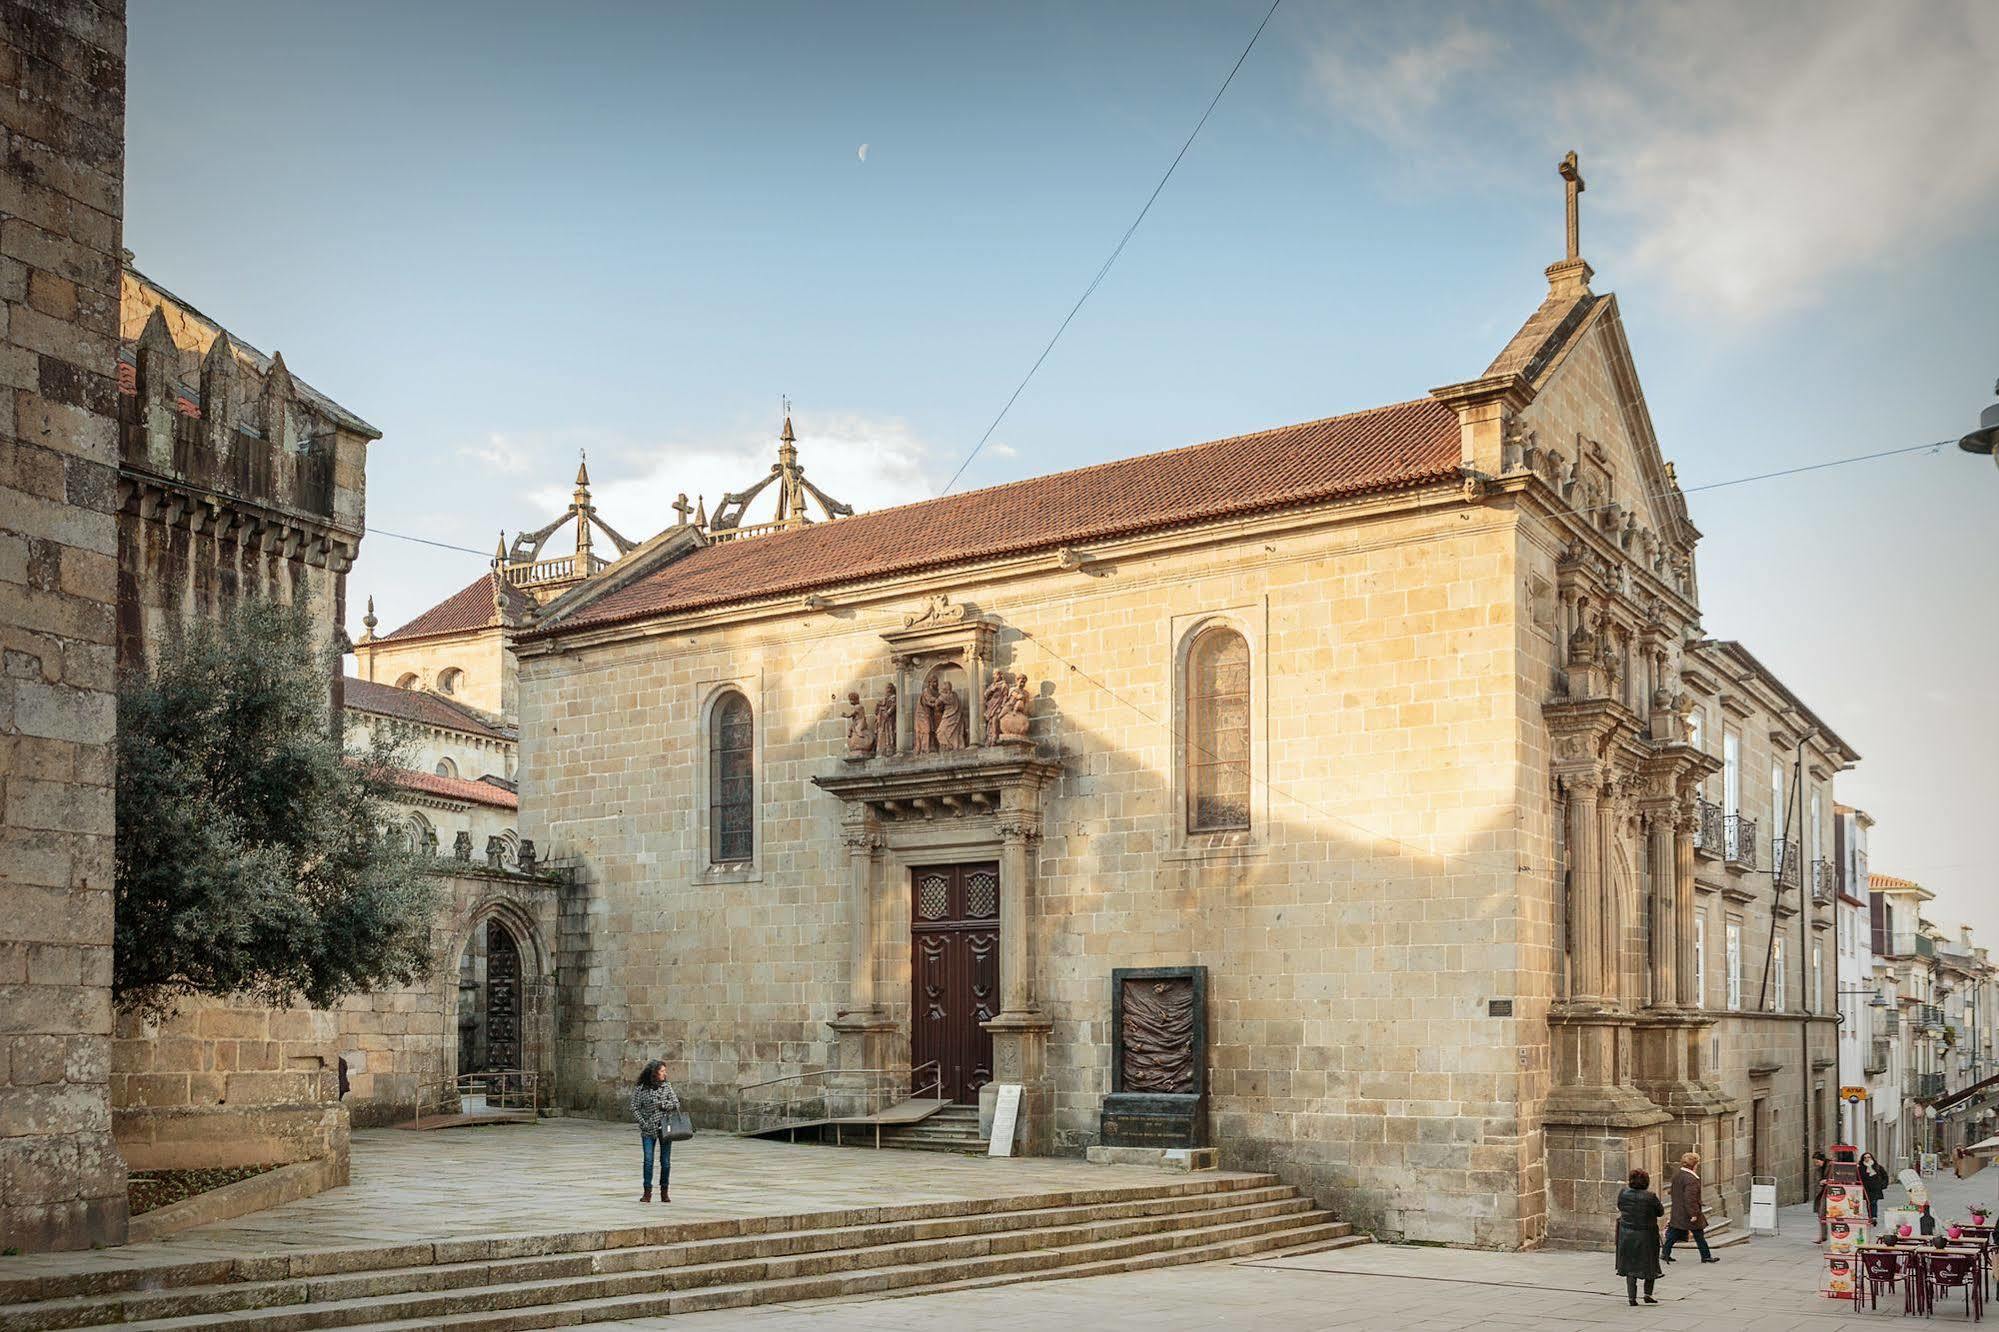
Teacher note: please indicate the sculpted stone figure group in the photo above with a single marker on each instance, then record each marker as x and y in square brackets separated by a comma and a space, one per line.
[940, 722]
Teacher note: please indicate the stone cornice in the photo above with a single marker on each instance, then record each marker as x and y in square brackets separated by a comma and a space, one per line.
[173, 503]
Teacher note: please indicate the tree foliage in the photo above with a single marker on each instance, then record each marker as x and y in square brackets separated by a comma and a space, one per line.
[251, 856]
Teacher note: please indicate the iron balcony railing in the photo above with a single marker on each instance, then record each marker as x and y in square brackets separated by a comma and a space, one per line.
[1825, 881]
[1784, 862]
[1707, 828]
[1907, 945]
[1739, 833]
[1929, 1017]
[1927, 1086]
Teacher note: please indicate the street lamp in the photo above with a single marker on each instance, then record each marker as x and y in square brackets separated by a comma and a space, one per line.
[1985, 439]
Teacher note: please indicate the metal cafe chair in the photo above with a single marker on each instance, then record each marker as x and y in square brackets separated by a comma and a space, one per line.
[1944, 1271]
[1881, 1271]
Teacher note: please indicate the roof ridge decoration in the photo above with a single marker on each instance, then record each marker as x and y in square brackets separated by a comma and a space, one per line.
[793, 489]
[522, 565]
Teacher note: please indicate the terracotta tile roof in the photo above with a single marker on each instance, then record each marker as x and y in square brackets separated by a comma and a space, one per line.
[1890, 881]
[457, 788]
[1387, 448]
[414, 705]
[469, 608]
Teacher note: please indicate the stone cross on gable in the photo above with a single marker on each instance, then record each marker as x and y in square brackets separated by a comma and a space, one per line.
[1572, 174]
[682, 508]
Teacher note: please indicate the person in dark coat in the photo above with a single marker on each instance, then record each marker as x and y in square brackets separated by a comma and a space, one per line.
[1820, 1164]
[1688, 1217]
[1638, 1213]
[1874, 1179]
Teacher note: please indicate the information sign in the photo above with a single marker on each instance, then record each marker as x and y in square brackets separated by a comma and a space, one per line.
[1006, 1113]
[1762, 1203]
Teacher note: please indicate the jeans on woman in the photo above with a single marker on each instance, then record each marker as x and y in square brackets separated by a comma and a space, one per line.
[665, 1146]
[1631, 1288]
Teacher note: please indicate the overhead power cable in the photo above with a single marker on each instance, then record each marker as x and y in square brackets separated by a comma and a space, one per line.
[1116, 250]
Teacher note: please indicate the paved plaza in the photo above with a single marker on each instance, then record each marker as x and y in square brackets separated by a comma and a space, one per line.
[576, 1175]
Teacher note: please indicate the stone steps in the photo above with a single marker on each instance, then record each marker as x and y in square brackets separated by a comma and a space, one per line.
[559, 1280]
[955, 1128]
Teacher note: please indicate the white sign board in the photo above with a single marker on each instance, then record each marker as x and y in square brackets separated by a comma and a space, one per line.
[1762, 1203]
[1006, 1113]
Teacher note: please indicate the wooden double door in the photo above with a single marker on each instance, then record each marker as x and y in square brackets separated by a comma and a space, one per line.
[954, 974]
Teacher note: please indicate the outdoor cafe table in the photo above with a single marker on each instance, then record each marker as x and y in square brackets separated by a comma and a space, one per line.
[1916, 1245]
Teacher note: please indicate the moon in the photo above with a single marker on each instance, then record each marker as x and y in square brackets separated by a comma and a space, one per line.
[863, 154]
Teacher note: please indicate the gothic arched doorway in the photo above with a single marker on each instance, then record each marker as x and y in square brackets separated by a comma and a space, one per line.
[489, 1000]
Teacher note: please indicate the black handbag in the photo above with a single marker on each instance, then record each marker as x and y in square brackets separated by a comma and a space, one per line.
[676, 1127]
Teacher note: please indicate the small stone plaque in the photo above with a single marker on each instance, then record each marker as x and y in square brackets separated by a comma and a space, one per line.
[1136, 1119]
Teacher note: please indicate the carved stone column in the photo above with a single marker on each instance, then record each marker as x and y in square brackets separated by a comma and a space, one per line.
[863, 1031]
[1665, 922]
[1020, 1032]
[1582, 787]
[1683, 902]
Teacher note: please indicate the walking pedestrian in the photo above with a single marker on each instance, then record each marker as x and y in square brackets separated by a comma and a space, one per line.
[1638, 1213]
[1874, 1179]
[1687, 1217]
[653, 1099]
[1818, 1183]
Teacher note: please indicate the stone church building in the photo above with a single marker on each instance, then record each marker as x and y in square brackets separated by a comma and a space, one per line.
[1387, 720]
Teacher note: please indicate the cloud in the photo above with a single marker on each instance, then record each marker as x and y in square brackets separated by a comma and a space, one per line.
[868, 462]
[1752, 154]
[999, 450]
[503, 453]
[863, 154]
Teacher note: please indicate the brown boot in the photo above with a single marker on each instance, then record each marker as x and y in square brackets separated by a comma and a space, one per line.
[646, 1196]
[663, 1198]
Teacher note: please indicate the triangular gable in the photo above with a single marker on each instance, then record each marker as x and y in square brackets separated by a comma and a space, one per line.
[1589, 406]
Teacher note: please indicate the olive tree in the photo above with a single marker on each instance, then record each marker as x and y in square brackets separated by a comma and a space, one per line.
[251, 853]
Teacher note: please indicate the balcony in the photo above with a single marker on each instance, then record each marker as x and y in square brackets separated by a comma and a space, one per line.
[1707, 829]
[1928, 1017]
[1907, 945]
[1739, 837]
[1875, 1061]
[1926, 1086]
[1784, 862]
[1825, 881]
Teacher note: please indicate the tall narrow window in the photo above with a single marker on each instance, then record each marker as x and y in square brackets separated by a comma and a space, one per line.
[1700, 960]
[731, 781]
[1818, 978]
[1217, 731]
[1731, 773]
[1778, 809]
[1734, 962]
[1779, 992]
[1817, 829]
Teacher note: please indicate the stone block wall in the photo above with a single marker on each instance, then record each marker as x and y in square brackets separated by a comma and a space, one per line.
[62, 1184]
[228, 1083]
[234, 1082]
[1354, 944]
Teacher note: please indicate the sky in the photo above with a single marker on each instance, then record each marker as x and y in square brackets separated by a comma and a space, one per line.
[507, 235]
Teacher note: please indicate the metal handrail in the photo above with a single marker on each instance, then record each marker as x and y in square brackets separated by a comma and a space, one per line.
[505, 1089]
[901, 1082]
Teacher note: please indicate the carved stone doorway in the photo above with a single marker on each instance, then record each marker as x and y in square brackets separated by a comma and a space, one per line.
[490, 1000]
[954, 931]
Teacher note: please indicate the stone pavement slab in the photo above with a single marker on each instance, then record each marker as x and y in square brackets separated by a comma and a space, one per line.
[568, 1175]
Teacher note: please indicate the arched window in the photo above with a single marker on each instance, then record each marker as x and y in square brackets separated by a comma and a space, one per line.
[1217, 731]
[449, 679]
[446, 768]
[418, 835]
[731, 781]
[408, 681]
